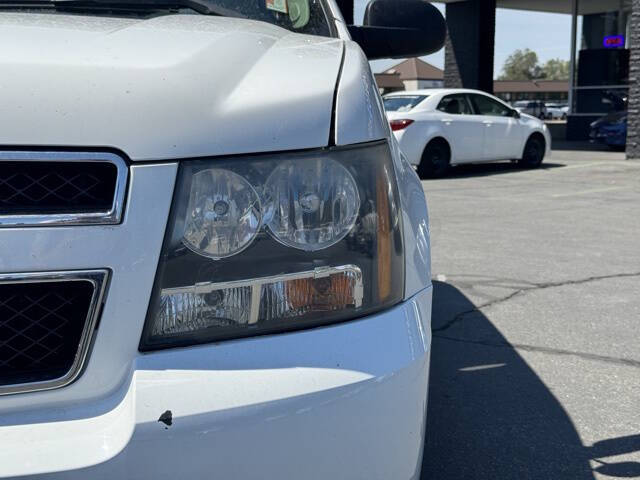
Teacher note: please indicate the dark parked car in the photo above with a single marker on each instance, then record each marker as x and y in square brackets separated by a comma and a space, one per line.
[610, 130]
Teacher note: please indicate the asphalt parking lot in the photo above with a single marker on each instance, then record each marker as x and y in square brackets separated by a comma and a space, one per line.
[535, 367]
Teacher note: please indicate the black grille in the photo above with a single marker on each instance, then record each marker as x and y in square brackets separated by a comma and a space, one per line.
[41, 327]
[56, 187]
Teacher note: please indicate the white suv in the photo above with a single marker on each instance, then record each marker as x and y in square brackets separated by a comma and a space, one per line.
[215, 259]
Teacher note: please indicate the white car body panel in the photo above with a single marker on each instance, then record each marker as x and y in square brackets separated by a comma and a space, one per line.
[359, 110]
[533, 124]
[415, 221]
[465, 134]
[411, 139]
[472, 138]
[168, 97]
[268, 407]
[504, 138]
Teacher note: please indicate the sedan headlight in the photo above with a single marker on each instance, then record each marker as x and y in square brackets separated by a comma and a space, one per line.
[271, 243]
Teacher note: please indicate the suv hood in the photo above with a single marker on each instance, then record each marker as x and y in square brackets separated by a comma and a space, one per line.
[172, 86]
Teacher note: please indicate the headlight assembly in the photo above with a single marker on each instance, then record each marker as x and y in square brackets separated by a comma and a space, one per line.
[271, 243]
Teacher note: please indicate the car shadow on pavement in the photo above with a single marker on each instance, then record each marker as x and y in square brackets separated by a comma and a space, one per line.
[491, 416]
[494, 168]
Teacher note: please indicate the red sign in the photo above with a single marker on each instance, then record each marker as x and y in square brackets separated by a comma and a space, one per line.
[613, 41]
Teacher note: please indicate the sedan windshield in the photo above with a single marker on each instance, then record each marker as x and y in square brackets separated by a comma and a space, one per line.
[402, 103]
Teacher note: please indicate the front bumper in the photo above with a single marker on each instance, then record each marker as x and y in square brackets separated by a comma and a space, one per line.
[548, 141]
[609, 136]
[340, 402]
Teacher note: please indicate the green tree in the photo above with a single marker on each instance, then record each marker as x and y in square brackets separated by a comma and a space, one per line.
[556, 69]
[522, 65]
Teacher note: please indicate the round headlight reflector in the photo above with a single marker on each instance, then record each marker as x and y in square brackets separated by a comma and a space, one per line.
[312, 204]
[223, 216]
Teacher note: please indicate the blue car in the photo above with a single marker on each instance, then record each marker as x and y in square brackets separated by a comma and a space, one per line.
[610, 130]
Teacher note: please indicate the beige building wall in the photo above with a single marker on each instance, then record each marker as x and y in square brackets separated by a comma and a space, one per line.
[419, 84]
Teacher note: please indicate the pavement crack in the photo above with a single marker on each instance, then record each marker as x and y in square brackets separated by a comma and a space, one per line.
[522, 290]
[546, 350]
[595, 278]
[460, 316]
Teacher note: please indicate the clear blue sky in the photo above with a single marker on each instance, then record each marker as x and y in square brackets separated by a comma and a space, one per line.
[547, 34]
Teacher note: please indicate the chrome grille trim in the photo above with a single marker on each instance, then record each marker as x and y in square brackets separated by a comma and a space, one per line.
[110, 217]
[99, 279]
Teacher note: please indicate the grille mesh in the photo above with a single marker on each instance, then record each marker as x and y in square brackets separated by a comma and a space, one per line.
[41, 326]
[56, 187]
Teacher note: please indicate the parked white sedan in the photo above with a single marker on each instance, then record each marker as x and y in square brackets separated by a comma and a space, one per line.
[556, 111]
[441, 127]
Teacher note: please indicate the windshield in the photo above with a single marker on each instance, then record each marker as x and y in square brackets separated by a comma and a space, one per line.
[402, 103]
[300, 16]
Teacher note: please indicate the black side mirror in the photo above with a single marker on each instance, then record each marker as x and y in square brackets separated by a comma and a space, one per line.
[399, 29]
[515, 113]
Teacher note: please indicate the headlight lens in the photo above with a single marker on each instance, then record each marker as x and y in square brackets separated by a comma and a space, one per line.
[311, 205]
[223, 216]
[271, 243]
